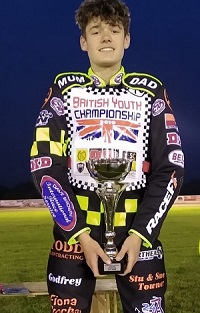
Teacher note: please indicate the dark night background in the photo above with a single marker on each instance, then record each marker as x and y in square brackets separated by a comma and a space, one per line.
[39, 39]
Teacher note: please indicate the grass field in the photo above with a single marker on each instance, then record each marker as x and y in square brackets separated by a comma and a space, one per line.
[26, 238]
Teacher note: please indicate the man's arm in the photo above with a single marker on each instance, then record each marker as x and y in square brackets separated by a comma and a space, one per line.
[164, 181]
[49, 167]
[167, 170]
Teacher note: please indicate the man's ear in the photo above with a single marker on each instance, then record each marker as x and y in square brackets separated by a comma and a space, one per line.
[83, 43]
[127, 41]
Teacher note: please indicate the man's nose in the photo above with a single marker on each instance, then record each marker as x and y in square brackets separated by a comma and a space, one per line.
[106, 37]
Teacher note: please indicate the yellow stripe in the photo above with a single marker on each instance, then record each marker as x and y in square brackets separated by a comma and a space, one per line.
[43, 134]
[56, 148]
[83, 202]
[34, 149]
[64, 149]
[62, 136]
[120, 219]
[130, 205]
[93, 218]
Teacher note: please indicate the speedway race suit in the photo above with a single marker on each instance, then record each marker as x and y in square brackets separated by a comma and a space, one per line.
[82, 118]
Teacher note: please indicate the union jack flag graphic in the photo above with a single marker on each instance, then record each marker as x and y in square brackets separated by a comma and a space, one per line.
[108, 129]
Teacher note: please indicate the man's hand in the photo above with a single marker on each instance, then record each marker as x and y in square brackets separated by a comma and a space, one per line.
[92, 251]
[131, 247]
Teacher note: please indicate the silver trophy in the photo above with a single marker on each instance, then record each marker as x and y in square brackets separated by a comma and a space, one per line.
[109, 173]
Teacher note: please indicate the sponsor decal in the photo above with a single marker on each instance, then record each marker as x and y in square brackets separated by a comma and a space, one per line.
[80, 167]
[57, 105]
[97, 154]
[96, 80]
[118, 78]
[69, 252]
[148, 255]
[58, 202]
[149, 282]
[170, 121]
[158, 107]
[63, 280]
[176, 157]
[154, 306]
[81, 155]
[47, 97]
[173, 139]
[40, 163]
[66, 305]
[163, 206]
[43, 118]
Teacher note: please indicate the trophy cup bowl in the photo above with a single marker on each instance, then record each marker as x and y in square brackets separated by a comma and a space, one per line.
[109, 173]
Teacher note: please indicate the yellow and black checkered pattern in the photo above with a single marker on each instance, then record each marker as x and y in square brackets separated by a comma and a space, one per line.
[45, 142]
[94, 217]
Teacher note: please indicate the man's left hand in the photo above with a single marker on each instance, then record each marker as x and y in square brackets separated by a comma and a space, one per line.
[131, 247]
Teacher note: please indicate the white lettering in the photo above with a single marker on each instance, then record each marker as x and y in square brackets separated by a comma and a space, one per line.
[71, 78]
[136, 81]
[162, 208]
[62, 280]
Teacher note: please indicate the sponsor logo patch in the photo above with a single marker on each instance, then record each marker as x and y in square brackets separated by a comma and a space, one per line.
[64, 305]
[176, 157]
[154, 306]
[63, 280]
[170, 121]
[96, 80]
[58, 202]
[118, 78]
[81, 155]
[69, 252]
[173, 139]
[158, 107]
[43, 118]
[163, 206]
[80, 167]
[148, 255]
[57, 105]
[40, 163]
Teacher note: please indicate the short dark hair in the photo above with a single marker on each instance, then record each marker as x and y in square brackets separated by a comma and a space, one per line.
[111, 11]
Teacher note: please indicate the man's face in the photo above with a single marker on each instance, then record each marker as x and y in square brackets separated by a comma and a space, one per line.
[105, 43]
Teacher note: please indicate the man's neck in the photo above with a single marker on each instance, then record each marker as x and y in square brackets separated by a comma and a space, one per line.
[106, 73]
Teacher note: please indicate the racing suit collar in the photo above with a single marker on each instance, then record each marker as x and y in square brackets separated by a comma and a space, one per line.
[115, 79]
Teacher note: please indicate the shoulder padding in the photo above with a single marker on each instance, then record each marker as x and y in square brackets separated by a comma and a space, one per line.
[143, 82]
[66, 81]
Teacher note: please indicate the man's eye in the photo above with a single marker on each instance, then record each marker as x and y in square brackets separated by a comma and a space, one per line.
[115, 31]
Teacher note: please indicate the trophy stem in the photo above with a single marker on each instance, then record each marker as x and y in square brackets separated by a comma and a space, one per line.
[109, 197]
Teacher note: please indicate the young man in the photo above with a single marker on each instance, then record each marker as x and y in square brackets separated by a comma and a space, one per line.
[85, 115]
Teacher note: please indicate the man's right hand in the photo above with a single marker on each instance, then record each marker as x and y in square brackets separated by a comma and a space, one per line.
[92, 251]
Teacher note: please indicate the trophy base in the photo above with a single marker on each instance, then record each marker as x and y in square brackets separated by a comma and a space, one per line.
[116, 267]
